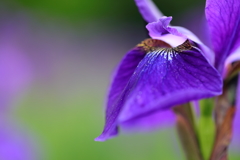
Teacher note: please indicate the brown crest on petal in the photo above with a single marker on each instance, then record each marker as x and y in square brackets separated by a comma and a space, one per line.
[183, 47]
[149, 44]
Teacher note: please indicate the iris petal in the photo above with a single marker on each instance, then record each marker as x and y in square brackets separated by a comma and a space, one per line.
[163, 78]
[119, 82]
[162, 27]
[159, 25]
[123, 74]
[224, 23]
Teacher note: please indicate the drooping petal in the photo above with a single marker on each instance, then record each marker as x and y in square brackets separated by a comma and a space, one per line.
[120, 80]
[148, 10]
[224, 23]
[164, 78]
[124, 72]
[175, 35]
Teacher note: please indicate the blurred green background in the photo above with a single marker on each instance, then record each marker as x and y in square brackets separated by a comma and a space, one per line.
[73, 46]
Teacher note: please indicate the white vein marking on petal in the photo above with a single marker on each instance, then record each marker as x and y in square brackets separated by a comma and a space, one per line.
[166, 53]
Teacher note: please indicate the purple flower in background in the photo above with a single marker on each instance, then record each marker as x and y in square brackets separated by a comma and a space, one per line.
[15, 69]
[16, 144]
[15, 76]
[172, 67]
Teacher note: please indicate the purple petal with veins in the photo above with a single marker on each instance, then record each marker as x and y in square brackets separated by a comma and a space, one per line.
[165, 77]
[223, 18]
[123, 74]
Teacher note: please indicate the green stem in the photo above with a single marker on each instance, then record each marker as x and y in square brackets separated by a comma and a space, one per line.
[187, 131]
[206, 127]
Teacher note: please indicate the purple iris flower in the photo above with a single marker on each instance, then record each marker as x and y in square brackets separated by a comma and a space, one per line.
[172, 67]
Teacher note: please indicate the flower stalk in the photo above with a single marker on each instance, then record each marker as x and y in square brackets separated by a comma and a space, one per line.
[187, 131]
[206, 127]
[225, 109]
